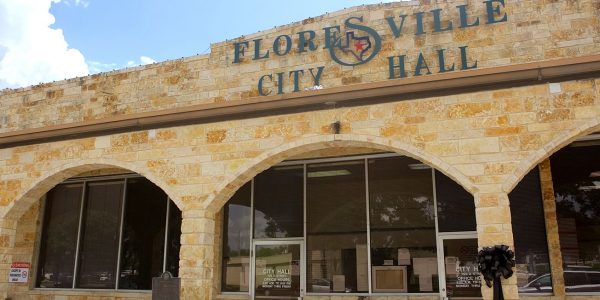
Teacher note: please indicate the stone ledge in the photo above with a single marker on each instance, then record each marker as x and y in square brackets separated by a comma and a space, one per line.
[356, 94]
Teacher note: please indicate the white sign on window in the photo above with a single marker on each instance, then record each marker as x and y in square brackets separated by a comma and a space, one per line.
[19, 272]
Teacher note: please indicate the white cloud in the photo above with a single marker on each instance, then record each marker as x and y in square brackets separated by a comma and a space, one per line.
[98, 67]
[84, 3]
[30, 51]
[146, 60]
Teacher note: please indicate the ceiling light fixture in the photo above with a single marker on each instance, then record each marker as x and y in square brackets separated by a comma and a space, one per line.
[329, 173]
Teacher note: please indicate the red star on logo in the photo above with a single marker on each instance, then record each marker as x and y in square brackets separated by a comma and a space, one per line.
[358, 46]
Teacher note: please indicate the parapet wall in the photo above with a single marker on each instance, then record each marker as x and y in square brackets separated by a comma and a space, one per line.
[469, 34]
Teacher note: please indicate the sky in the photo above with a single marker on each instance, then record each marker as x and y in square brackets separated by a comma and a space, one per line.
[48, 40]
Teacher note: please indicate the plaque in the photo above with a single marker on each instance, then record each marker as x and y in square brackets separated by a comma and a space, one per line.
[165, 287]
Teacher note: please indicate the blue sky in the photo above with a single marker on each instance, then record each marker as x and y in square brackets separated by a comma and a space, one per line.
[46, 40]
[119, 31]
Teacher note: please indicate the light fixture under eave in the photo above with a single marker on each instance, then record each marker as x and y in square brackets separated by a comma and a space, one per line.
[595, 174]
[419, 167]
[329, 173]
[283, 168]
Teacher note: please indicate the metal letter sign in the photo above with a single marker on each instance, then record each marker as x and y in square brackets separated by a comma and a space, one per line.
[354, 43]
[356, 46]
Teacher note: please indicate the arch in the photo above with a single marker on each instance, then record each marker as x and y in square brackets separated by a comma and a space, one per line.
[273, 156]
[562, 140]
[41, 185]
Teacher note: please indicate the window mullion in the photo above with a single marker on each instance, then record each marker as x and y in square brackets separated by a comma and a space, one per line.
[368, 223]
[168, 210]
[123, 199]
[251, 215]
[82, 206]
[251, 245]
[305, 233]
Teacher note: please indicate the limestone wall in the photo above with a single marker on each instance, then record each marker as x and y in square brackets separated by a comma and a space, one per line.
[486, 141]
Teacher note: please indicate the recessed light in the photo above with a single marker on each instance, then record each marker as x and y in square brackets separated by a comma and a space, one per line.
[329, 173]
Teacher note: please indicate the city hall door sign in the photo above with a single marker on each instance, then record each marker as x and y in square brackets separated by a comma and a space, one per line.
[277, 269]
[460, 277]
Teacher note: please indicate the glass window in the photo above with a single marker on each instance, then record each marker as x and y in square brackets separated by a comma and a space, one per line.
[142, 249]
[278, 202]
[576, 281]
[61, 221]
[594, 277]
[463, 279]
[545, 281]
[576, 178]
[236, 241]
[402, 217]
[455, 206]
[529, 233]
[103, 228]
[173, 240]
[277, 273]
[100, 235]
[333, 196]
[336, 224]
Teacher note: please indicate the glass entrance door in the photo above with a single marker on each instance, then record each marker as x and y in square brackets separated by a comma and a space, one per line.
[277, 269]
[460, 278]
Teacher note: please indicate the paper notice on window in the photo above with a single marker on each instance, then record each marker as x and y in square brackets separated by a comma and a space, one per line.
[403, 256]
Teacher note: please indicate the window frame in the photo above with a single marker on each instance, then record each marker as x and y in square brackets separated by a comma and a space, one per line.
[305, 162]
[84, 181]
[579, 142]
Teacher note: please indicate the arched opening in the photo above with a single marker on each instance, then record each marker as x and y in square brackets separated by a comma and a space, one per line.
[561, 141]
[347, 217]
[556, 219]
[574, 190]
[316, 144]
[101, 227]
[33, 190]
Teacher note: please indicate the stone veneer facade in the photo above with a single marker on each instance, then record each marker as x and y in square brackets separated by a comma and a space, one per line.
[486, 139]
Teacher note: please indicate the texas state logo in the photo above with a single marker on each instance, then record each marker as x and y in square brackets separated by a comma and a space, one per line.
[357, 46]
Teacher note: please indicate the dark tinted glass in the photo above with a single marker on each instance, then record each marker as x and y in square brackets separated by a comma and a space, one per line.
[336, 228]
[463, 279]
[173, 239]
[576, 178]
[100, 235]
[278, 202]
[456, 206]
[529, 233]
[59, 237]
[236, 241]
[402, 217]
[143, 241]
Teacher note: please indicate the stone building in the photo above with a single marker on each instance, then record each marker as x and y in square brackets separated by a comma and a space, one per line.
[365, 152]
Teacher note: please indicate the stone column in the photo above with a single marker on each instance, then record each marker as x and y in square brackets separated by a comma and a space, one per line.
[556, 263]
[8, 232]
[196, 261]
[494, 228]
